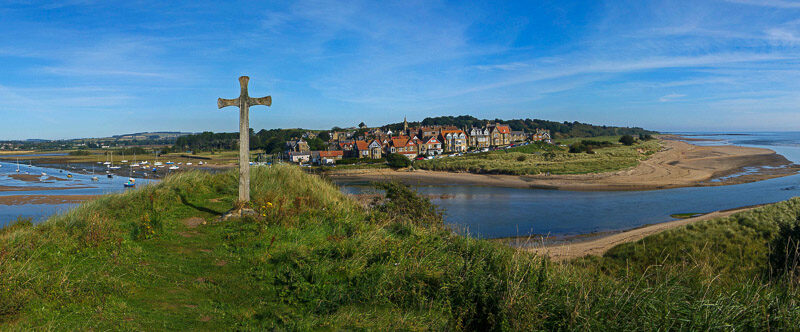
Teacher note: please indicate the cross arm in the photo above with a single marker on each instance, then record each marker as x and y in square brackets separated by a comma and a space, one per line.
[266, 101]
[227, 102]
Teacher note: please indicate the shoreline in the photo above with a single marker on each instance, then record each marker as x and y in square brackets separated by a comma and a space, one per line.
[596, 244]
[44, 199]
[678, 164]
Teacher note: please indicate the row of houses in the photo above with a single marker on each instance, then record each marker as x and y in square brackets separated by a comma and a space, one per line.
[411, 142]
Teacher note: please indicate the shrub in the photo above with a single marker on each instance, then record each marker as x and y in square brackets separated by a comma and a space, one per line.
[577, 148]
[404, 205]
[79, 153]
[521, 158]
[627, 140]
[397, 160]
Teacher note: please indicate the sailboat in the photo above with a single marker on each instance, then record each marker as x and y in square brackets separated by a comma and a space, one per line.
[111, 164]
[94, 178]
[17, 165]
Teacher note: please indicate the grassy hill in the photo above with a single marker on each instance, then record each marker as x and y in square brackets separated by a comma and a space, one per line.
[314, 259]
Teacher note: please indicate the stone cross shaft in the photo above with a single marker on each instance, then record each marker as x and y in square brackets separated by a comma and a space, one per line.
[244, 102]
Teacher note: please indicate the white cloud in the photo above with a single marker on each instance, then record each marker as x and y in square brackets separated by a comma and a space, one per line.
[671, 97]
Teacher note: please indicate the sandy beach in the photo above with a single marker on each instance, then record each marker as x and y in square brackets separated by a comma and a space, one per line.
[599, 246]
[678, 164]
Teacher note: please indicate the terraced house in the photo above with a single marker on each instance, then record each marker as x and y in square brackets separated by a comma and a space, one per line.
[478, 138]
[453, 140]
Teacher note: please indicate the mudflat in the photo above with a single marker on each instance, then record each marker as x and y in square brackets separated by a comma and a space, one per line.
[678, 164]
[44, 199]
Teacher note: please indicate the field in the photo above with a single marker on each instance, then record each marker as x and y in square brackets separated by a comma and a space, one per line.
[154, 259]
[540, 158]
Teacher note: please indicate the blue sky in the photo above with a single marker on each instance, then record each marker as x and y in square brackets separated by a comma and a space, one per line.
[85, 68]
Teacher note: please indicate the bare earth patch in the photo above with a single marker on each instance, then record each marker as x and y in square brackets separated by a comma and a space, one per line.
[193, 222]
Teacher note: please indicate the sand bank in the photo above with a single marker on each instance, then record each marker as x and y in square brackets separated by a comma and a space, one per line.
[15, 188]
[599, 246]
[678, 164]
[35, 178]
[44, 199]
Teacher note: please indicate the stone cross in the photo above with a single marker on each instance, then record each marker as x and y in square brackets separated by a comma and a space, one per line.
[244, 102]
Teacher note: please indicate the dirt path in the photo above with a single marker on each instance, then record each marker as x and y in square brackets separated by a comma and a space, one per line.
[600, 246]
[679, 164]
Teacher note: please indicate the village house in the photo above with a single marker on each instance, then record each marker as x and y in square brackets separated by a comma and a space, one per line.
[297, 146]
[430, 146]
[326, 157]
[299, 157]
[518, 136]
[349, 149]
[478, 138]
[370, 150]
[454, 140]
[404, 146]
[541, 135]
[341, 135]
[500, 134]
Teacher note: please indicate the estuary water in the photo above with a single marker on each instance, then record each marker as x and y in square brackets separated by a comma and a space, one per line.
[491, 212]
[79, 184]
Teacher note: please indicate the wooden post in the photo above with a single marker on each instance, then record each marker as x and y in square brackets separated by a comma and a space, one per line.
[244, 102]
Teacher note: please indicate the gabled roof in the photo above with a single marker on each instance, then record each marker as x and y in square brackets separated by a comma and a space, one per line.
[504, 129]
[399, 141]
[453, 131]
[324, 154]
[361, 145]
[431, 140]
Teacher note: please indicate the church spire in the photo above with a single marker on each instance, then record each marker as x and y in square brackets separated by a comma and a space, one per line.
[405, 125]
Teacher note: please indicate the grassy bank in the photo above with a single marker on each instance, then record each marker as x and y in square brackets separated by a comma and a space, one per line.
[538, 158]
[314, 259]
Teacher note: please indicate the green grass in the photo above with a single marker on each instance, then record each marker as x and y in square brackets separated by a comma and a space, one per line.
[539, 158]
[315, 259]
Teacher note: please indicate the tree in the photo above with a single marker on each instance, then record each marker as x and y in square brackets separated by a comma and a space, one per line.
[397, 160]
[362, 125]
[325, 136]
[627, 140]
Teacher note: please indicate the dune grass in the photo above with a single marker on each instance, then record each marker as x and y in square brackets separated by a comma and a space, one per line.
[315, 259]
[539, 158]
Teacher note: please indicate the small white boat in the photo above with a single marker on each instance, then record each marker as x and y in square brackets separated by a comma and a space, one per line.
[158, 163]
[114, 167]
[188, 164]
[124, 161]
[200, 163]
[174, 167]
